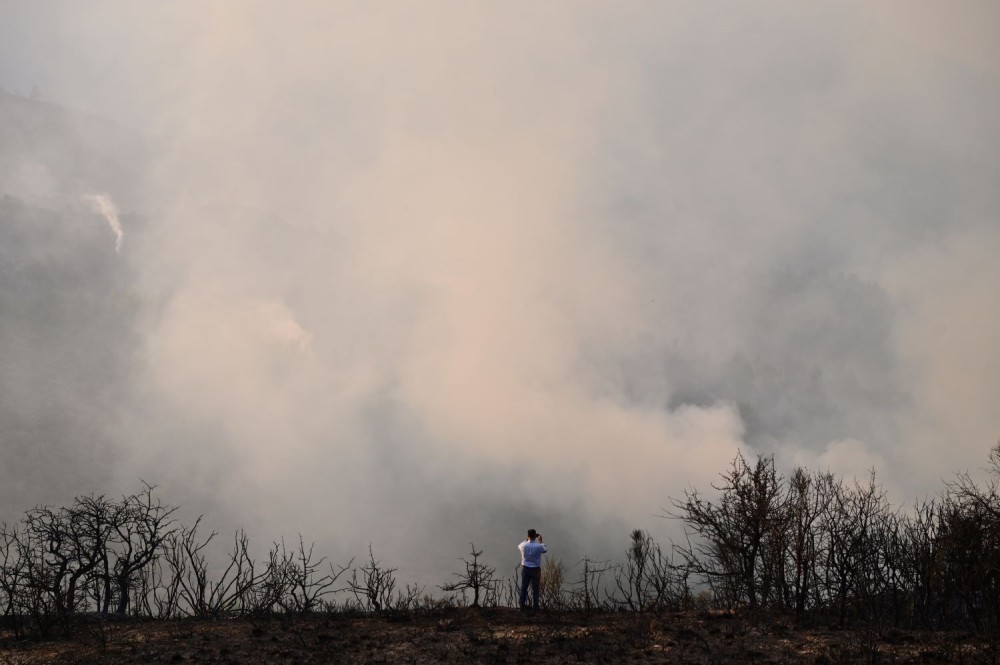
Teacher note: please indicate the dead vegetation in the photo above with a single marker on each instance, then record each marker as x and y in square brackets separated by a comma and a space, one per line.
[809, 569]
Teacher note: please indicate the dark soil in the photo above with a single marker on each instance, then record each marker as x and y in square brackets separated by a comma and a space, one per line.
[471, 635]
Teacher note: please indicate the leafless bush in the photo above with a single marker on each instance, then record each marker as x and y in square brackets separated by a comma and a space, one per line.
[85, 556]
[200, 593]
[293, 583]
[510, 591]
[373, 588]
[12, 576]
[141, 524]
[852, 554]
[551, 585]
[156, 592]
[588, 592]
[477, 577]
[819, 545]
[733, 533]
[649, 580]
[408, 598]
[807, 501]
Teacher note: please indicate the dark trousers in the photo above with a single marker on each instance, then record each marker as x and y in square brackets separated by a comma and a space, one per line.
[531, 576]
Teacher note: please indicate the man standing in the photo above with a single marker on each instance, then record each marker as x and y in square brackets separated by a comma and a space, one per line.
[531, 567]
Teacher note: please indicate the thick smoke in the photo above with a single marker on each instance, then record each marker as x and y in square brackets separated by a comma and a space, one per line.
[436, 273]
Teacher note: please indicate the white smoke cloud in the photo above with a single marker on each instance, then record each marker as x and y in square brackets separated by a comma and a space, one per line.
[104, 206]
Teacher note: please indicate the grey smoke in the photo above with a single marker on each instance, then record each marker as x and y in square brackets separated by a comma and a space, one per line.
[440, 273]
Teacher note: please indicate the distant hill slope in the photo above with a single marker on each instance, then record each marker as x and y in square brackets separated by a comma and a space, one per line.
[67, 314]
[51, 155]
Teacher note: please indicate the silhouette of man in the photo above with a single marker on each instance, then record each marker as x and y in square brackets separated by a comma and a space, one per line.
[531, 550]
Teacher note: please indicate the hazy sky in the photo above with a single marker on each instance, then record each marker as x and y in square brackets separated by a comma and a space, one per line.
[459, 268]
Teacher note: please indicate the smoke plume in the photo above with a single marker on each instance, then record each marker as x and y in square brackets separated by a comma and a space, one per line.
[104, 206]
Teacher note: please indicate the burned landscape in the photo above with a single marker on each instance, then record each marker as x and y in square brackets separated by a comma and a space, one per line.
[310, 311]
[469, 635]
[806, 569]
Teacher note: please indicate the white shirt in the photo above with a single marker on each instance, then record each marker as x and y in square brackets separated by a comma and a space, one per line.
[531, 553]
